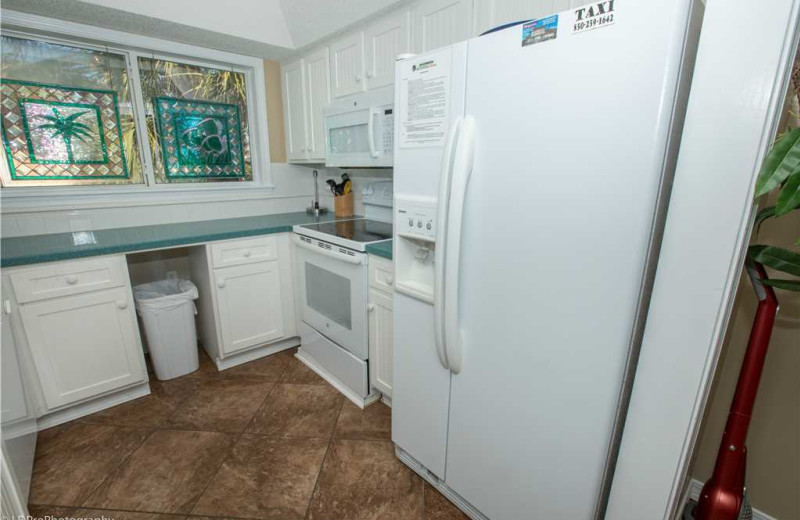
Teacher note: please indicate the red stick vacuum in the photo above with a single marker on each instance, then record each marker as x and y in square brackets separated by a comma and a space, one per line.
[723, 496]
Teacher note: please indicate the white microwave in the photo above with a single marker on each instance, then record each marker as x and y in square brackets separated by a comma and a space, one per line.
[359, 131]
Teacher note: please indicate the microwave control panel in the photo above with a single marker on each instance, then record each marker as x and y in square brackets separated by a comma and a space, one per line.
[388, 130]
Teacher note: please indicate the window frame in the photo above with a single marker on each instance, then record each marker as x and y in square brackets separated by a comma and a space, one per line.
[132, 47]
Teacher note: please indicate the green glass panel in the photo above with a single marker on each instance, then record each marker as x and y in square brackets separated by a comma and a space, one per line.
[197, 122]
[38, 77]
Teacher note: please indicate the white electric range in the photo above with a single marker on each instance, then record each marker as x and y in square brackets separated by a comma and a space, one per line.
[333, 275]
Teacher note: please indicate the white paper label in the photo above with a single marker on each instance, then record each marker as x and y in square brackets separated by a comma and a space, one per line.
[425, 101]
[593, 16]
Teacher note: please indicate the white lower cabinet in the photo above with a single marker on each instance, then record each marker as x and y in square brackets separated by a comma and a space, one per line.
[84, 345]
[79, 332]
[381, 345]
[249, 305]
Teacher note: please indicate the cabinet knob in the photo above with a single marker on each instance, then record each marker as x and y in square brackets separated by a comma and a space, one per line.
[358, 79]
[72, 279]
[247, 253]
[7, 306]
[390, 280]
[122, 305]
[220, 283]
[370, 307]
[370, 74]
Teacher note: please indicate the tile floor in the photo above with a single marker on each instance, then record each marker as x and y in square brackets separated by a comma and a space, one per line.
[268, 440]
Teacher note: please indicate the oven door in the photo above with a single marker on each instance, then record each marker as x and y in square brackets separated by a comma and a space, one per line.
[333, 293]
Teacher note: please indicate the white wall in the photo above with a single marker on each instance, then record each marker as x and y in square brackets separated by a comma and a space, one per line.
[259, 20]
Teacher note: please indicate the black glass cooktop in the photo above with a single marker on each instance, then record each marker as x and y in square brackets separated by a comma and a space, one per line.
[357, 230]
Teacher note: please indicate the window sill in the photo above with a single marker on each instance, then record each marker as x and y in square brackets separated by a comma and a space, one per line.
[24, 200]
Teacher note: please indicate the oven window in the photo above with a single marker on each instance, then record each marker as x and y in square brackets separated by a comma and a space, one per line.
[329, 294]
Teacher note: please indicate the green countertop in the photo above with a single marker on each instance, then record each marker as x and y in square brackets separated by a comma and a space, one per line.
[63, 246]
[382, 248]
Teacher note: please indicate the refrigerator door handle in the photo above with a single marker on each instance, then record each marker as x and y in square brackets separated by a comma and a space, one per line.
[441, 241]
[463, 162]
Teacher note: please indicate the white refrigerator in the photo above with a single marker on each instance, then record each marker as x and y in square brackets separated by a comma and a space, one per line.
[532, 172]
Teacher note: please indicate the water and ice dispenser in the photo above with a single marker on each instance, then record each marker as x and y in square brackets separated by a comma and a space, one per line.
[415, 225]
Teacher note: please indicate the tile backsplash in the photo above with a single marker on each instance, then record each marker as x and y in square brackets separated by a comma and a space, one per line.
[294, 191]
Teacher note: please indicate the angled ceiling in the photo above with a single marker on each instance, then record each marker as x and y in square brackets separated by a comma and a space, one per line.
[271, 29]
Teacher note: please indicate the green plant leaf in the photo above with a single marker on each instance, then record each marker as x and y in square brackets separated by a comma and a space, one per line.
[76, 115]
[776, 258]
[782, 161]
[789, 285]
[789, 197]
[762, 215]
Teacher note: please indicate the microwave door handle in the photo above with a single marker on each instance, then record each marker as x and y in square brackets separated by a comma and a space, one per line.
[371, 133]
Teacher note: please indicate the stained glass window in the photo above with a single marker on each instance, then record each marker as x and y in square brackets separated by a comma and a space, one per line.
[197, 122]
[67, 116]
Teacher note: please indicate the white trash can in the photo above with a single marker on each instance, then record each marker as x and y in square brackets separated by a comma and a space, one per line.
[167, 310]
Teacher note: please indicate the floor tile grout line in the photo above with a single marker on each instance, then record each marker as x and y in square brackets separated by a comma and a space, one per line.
[324, 459]
[118, 466]
[216, 472]
[260, 406]
[120, 510]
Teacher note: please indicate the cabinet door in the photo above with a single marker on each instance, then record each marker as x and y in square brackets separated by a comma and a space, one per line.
[84, 345]
[14, 406]
[380, 341]
[493, 13]
[437, 23]
[347, 65]
[384, 40]
[318, 94]
[249, 305]
[295, 111]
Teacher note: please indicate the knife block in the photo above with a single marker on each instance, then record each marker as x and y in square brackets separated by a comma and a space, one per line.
[343, 205]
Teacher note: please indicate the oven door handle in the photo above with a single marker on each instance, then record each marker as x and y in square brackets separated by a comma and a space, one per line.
[358, 259]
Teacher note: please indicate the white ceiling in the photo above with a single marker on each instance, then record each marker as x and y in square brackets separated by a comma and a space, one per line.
[271, 29]
[312, 20]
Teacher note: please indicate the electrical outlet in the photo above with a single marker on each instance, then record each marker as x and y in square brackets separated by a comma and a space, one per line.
[172, 275]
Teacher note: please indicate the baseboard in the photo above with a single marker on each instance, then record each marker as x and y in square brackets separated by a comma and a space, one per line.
[81, 410]
[256, 353]
[693, 493]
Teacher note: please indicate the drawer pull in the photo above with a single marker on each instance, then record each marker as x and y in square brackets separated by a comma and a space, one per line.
[72, 279]
[122, 305]
[220, 283]
[247, 253]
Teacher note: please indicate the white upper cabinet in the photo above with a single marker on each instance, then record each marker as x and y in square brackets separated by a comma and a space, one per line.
[295, 110]
[384, 40]
[493, 13]
[347, 65]
[318, 94]
[437, 23]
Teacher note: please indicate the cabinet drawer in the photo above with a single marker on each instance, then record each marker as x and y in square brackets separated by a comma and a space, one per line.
[247, 251]
[66, 278]
[381, 274]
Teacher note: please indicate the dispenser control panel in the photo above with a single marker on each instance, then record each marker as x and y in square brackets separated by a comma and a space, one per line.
[416, 220]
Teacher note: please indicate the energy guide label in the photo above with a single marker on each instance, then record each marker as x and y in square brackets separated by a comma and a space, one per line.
[425, 101]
